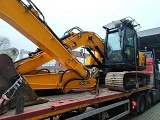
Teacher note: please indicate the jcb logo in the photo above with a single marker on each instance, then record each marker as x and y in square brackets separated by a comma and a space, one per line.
[83, 82]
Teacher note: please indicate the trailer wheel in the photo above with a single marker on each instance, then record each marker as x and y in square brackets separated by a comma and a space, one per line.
[149, 100]
[142, 105]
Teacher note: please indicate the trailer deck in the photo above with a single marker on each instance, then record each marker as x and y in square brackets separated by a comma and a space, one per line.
[67, 102]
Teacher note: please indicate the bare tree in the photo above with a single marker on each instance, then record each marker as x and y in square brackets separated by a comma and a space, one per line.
[4, 43]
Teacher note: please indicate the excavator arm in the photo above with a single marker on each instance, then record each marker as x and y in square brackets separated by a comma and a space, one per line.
[83, 38]
[25, 65]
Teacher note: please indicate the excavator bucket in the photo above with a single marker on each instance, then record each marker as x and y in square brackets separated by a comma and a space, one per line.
[8, 78]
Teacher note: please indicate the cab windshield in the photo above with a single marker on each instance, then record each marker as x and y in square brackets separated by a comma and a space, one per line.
[114, 47]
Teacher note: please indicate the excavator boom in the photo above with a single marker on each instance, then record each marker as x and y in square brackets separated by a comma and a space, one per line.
[83, 38]
[35, 29]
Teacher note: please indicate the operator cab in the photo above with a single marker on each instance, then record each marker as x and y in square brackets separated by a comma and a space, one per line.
[122, 46]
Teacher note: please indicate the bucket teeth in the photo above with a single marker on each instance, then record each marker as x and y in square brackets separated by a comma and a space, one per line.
[7, 73]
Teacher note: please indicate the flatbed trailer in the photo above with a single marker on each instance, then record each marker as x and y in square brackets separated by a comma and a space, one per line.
[97, 103]
[59, 105]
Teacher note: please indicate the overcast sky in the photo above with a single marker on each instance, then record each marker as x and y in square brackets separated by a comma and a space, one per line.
[89, 15]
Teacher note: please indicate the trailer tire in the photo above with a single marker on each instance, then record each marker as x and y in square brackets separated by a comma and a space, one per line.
[149, 100]
[142, 104]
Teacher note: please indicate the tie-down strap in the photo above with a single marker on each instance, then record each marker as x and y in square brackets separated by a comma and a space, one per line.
[5, 98]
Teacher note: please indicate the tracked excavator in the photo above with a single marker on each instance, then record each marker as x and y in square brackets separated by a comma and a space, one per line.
[76, 74]
[115, 62]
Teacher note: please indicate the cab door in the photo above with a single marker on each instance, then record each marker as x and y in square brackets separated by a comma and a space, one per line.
[130, 45]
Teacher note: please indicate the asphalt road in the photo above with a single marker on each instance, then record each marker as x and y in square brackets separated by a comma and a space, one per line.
[151, 114]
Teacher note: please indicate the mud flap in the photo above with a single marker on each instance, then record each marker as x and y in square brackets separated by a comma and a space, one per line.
[7, 79]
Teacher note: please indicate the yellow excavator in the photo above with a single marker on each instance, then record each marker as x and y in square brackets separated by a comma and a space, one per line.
[118, 52]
